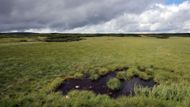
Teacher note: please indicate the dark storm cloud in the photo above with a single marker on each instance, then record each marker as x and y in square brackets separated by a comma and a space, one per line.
[63, 15]
[5, 7]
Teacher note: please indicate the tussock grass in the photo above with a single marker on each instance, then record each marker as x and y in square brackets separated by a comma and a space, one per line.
[114, 84]
[143, 73]
[174, 92]
[26, 69]
[52, 85]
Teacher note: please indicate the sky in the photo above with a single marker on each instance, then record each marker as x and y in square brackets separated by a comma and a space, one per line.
[174, 1]
[95, 16]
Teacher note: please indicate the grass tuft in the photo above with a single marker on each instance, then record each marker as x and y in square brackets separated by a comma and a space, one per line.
[114, 84]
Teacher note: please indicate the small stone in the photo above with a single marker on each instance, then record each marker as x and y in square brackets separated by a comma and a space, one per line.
[67, 97]
[76, 86]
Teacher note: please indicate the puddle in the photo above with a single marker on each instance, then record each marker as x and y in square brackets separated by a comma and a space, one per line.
[99, 86]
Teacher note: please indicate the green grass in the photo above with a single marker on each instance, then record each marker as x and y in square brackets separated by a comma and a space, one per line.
[142, 72]
[114, 84]
[29, 71]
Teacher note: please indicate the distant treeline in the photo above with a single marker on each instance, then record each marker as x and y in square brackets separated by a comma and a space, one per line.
[24, 34]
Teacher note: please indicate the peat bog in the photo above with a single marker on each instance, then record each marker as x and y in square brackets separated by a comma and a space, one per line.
[99, 86]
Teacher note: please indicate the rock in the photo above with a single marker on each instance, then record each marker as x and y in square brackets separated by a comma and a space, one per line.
[67, 97]
[76, 86]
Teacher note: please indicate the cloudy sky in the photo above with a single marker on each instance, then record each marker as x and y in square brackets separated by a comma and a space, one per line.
[95, 16]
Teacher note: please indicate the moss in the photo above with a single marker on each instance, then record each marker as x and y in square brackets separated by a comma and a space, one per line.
[114, 84]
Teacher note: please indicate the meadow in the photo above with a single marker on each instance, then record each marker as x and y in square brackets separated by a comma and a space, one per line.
[31, 68]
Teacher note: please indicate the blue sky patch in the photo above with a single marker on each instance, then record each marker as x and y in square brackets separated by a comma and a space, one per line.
[174, 1]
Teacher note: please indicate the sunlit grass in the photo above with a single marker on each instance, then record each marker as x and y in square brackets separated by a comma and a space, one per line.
[30, 71]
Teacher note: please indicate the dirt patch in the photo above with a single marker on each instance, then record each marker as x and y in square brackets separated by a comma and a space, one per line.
[99, 86]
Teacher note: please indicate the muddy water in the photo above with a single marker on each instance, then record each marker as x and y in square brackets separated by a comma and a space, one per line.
[99, 86]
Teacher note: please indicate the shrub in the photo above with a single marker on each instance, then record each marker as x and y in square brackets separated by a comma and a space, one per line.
[114, 84]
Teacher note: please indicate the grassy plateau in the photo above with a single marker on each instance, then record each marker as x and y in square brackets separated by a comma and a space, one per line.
[32, 67]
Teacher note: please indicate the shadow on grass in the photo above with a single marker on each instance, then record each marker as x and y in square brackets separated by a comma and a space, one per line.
[63, 39]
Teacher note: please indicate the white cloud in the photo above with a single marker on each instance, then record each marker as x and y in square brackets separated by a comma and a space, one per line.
[157, 18]
[94, 16]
